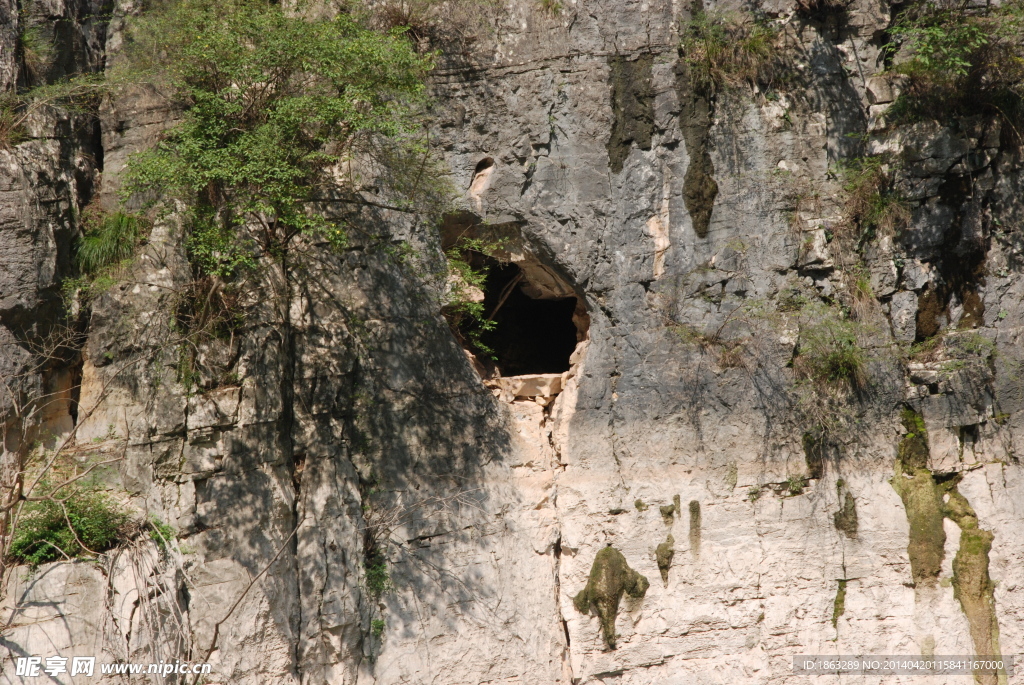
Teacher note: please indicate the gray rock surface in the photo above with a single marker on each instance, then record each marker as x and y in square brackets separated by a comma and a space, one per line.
[345, 400]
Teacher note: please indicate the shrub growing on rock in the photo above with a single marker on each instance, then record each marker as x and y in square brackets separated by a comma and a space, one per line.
[960, 60]
[88, 523]
[282, 115]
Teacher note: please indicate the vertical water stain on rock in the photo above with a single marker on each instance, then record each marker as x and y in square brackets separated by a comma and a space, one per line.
[839, 605]
[814, 453]
[699, 186]
[922, 501]
[664, 554]
[632, 107]
[972, 586]
[695, 528]
[610, 578]
[845, 519]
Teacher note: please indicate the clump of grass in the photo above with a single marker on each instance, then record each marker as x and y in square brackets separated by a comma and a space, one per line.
[551, 7]
[11, 130]
[726, 51]
[36, 52]
[377, 627]
[973, 344]
[794, 485]
[862, 295]
[873, 206]
[88, 523]
[830, 352]
[108, 240]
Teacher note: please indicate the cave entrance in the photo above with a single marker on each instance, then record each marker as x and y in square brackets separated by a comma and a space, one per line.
[534, 332]
[537, 324]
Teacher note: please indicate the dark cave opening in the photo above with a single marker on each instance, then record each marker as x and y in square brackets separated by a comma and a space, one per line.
[530, 335]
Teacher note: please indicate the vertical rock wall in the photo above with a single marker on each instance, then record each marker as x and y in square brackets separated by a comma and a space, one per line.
[345, 398]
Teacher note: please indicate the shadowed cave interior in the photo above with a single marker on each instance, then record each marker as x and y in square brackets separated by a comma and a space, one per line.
[531, 335]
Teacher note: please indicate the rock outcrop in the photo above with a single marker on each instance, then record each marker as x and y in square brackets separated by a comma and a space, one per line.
[343, 430]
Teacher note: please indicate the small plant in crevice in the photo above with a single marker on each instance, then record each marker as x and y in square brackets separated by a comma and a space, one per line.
[161, 533]
[726, 51]
[967, 350]
[35, 52]
[730, 341]
[795, 486]
[862, 296]
[955, 350]
[377, 627]
[378, 577]
[831, 364]
[831, 352]
[11, 131]
[454, 24]
[103, 253]
[872, 205]
[551, 7]
[109, 240]
[463, 301]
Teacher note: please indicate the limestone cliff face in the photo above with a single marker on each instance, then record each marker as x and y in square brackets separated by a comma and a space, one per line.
[679, 437]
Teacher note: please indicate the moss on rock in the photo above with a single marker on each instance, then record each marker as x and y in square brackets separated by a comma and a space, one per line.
[923, 494]
[912, 452]
[610, 578]
[695, 524]
[923, 503]
[669, 511]
[846, 518]
[922, 500]
[664, 554]
[839, 605]
[972, 586]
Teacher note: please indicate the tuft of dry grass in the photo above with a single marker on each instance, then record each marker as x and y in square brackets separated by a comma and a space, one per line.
[725, 51]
